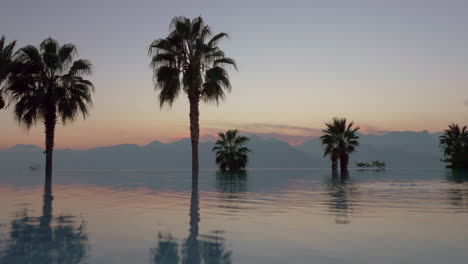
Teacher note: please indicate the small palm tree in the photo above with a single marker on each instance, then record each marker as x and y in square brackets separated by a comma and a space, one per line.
[231, 152]
[6, 54]
[339, 141]
[190, 60]
[47, 84]
[331, 149]
[454, 143]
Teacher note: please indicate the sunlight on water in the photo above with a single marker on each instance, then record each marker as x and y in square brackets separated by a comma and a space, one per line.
[264, 216]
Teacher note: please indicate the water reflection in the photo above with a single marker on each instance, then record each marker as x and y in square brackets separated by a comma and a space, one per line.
[45, 239]
[232, 182]
[458, 191]
[231, 190]
[196, 249]
[166, 251]
[341, 193]
[457, 176]
[192, 245]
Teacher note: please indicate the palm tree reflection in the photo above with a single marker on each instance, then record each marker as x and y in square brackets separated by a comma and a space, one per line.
[196, 249]
[232, 189]
[458, 191]
[341, 194]
[45, 239]
[192, 245]
[232, 182]
[166, 251]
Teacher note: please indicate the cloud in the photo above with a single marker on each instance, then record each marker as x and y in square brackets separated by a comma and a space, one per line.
[290, 139]
[366, 129]
[267, 128]
[293, 135]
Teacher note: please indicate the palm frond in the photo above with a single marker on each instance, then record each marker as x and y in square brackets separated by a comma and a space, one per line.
[197, 64]
[80, 68]
[230, 151]
[42, 82]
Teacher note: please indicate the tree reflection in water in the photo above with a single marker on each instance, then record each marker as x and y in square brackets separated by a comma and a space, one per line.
[232, 182]
[458, 191]
[231, 189]
[196, 249]
[341, 194]
[45, 239]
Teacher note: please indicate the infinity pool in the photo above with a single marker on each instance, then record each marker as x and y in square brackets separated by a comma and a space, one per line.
[262, 216]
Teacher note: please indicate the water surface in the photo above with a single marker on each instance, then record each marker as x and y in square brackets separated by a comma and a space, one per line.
[263, 216]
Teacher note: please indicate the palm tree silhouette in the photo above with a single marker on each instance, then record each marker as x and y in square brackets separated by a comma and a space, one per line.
[6, 54]
[189, 59]
[46, 239]
[230, 151]
[339, 140]
[454, 143]
[47, 85]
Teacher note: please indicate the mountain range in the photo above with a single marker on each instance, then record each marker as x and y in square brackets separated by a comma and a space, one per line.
[397, 149]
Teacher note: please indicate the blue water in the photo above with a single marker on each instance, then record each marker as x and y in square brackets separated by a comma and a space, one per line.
[262, 216]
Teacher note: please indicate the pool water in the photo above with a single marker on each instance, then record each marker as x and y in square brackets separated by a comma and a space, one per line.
[261, 216]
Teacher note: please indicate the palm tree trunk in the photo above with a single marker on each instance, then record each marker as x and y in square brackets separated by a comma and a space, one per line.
[344, 159]
[194, 99]
[50, 122]
[343, 156]
[47, 206]
[334, 164]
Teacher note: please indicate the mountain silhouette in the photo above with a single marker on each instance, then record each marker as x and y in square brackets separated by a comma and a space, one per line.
[397, 149]
[406, 149]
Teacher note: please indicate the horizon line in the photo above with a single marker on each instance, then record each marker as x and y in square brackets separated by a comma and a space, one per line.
[205, 138]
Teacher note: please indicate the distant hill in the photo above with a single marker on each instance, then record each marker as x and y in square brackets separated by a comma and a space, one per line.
[397, 149]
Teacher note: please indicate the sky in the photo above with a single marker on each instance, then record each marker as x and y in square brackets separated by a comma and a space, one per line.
[386, 65]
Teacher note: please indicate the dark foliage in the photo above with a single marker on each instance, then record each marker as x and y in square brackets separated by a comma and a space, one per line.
[189, 60]
[230, 150]
[454, 143]
[339, 140]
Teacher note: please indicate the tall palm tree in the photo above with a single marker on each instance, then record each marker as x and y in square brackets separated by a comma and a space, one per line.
[339, 140]
[47, 84]
[454, 143]
[6, 54]
[230, 151]
[189, 59]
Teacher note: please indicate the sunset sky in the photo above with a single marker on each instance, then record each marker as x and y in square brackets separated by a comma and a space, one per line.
[387, 65]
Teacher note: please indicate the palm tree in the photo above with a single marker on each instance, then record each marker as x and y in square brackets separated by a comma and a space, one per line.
[6, 53]
[331, 149]
[454, 143]
[230, 151]
[189, 59]
[47, 85]
[339, 141]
